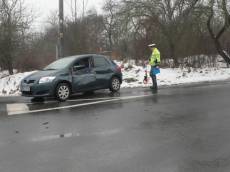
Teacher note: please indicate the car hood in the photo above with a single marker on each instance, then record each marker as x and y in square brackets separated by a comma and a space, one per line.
[43, 73]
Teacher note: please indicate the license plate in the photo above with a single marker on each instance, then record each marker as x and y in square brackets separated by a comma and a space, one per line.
[25, 88]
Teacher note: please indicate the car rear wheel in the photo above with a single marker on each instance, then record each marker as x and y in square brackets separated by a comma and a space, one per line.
[63, 92]
[115, 84]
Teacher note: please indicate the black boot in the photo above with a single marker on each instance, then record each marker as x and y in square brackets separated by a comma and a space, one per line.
[153, 88]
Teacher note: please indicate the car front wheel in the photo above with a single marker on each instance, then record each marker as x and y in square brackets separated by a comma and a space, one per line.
[62, 92]
[115, 84]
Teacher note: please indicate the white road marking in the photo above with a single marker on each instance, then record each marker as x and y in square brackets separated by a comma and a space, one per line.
[71, 100]
[78, 100]
[16, 108]
[23, 108]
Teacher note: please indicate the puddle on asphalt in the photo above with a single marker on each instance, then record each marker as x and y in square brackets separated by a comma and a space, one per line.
[103, 133]
[54, 137]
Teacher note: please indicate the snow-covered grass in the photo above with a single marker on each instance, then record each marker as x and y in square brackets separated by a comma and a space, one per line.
[9, 85]
[5, 73]
[133, 76]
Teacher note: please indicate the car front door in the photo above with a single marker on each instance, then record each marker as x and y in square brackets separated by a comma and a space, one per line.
[83, 77]
[102, 70]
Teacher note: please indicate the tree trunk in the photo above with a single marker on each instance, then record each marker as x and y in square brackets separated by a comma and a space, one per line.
[216, 37]
[10, 66]
[110, 41]
[172, 53]
[10, 69]
[221, 52]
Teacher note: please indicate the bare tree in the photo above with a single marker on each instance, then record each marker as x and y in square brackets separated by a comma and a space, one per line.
[85, 36]
[221, 5]
[84, 7]
[110, 21]
[167, 15]
[13, 24]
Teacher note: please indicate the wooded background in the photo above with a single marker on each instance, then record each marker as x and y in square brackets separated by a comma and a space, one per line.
[184, 30]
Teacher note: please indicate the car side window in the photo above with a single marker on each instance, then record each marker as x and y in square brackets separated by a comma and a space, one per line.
[100, 62]
[82, 65]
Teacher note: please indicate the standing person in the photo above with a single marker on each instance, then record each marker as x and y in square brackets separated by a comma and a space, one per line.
[154, 62]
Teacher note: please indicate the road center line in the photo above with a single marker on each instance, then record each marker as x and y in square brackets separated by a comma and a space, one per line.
[25, 110]
[78, 100]
[70, 100]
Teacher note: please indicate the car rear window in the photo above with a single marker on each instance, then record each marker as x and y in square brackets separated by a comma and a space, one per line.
[100, 61]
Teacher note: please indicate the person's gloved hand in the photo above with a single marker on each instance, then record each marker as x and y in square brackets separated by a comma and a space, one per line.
[157, 64]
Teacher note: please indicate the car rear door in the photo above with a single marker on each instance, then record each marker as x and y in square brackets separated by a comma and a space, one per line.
[103, 71]
[83, 77]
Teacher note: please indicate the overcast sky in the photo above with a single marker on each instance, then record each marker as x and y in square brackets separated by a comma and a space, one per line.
[43, 8]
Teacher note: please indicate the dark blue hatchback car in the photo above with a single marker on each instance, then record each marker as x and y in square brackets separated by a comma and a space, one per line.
[71, 75]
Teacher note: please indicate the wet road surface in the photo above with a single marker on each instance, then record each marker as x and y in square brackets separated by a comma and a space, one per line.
[184, 129]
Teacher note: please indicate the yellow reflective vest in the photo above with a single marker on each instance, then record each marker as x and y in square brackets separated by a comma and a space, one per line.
[155, 58]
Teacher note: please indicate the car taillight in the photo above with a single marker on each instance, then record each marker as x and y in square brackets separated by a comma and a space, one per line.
[118, 69]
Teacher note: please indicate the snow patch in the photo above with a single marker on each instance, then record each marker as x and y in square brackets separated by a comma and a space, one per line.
[9, 85]
[133, 76]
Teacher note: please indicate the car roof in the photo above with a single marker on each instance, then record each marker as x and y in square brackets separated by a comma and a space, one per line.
[83, 55]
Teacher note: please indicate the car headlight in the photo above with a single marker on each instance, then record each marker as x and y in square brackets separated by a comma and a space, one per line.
[46, 79]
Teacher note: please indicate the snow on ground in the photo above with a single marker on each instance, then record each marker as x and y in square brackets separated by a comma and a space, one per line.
[9, 85]
[5, 73]
[133, 76]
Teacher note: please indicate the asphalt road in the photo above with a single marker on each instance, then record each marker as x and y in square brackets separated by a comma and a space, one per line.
[181, 129]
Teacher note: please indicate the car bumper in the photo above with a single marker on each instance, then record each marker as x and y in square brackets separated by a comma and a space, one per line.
[38, 90]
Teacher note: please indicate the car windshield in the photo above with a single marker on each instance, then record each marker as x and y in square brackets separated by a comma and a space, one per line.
[59, 64]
